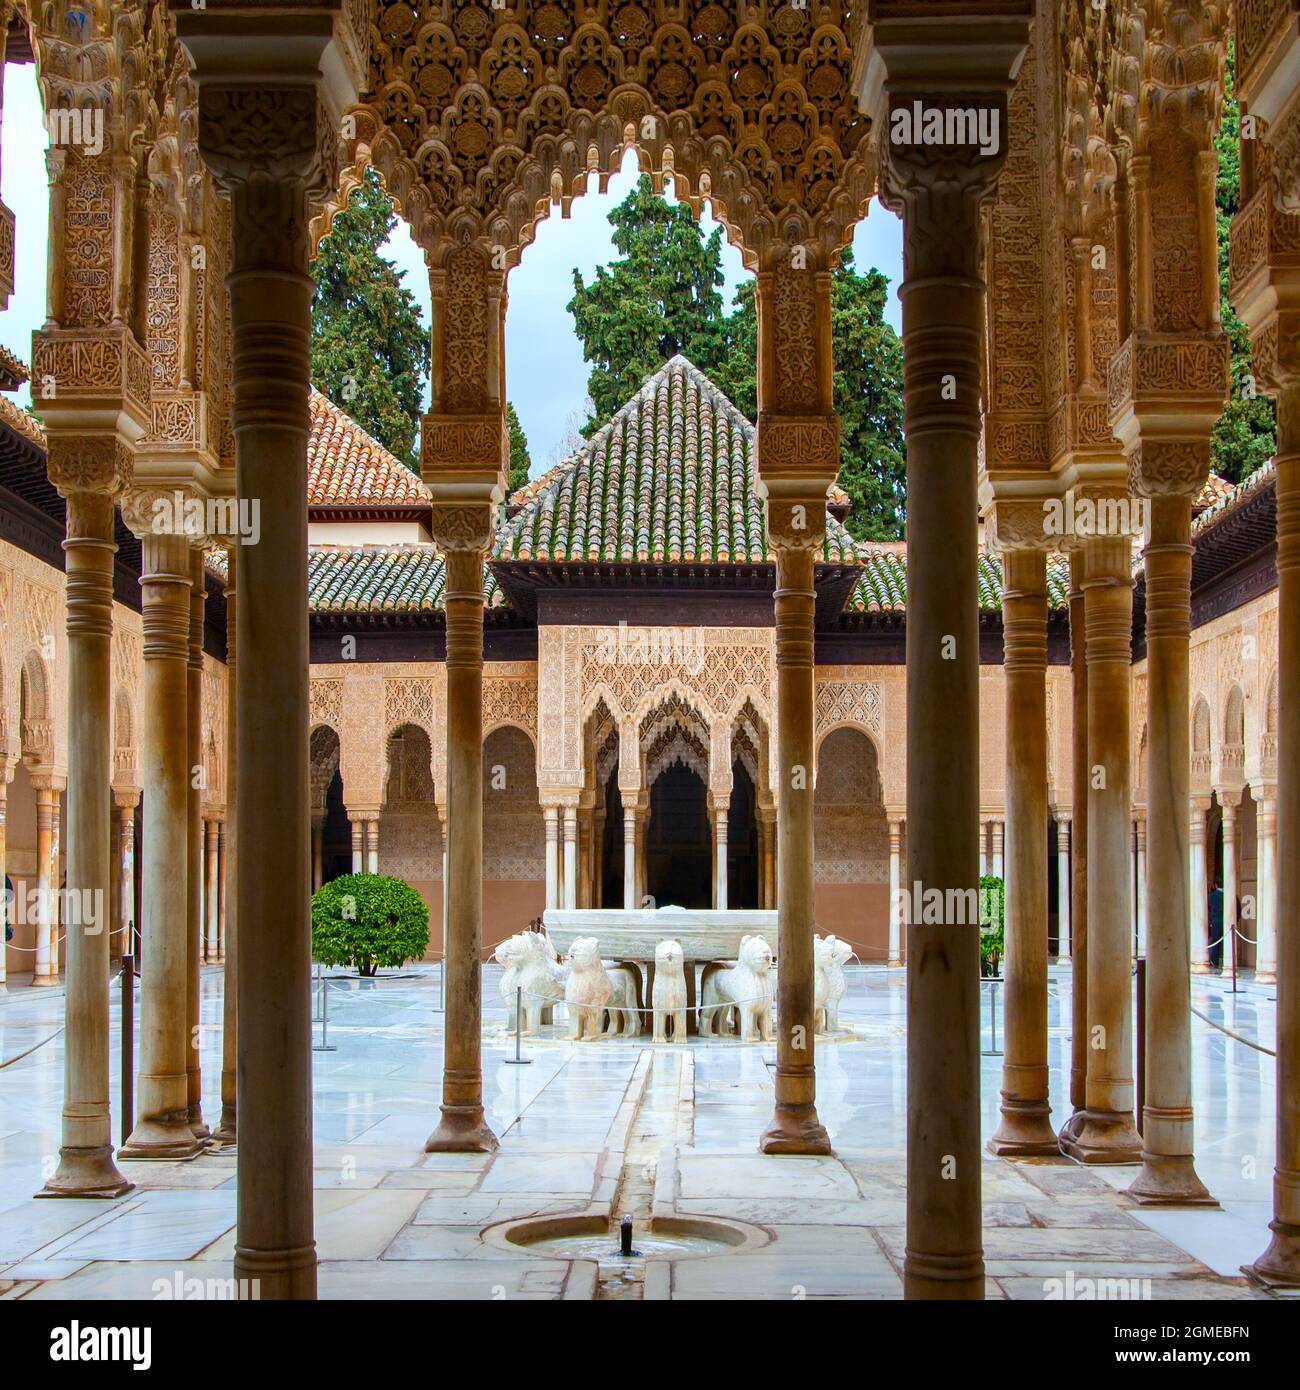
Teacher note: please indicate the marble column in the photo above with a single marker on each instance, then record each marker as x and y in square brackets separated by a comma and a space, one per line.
[895, 952]
[1080, 777]
[317, 852]
[221, 890]
[1168, 1173]
[982, 847]
[1025, 1128]
[998, 866]
[1107, 1133]
[570, 857]
[372, 845]
[1266, 887]
[210, 894]
[47, 811]
[6, 908]
[629, 858]
[551, 820]
[86, 1167]
[642, 866]
[194, 841]
[1062, 887]
[227, 1128]
[720, 815]
[770, 866]
[358, 845]
[1199, 885]
[462, 1127]
[162, 1128]
[1230, 801]
[1140, 866]
[795, 1127]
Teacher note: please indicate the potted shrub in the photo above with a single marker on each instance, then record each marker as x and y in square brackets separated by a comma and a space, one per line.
[991, 904]
[368, 920]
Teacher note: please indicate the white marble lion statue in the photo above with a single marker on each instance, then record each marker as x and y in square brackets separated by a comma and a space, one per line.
[829, 984]
[529, 963]
[622, 1008]
[747, 986]
[668, 998]
[586, 989]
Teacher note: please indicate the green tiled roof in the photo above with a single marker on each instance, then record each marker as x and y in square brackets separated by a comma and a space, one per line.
[670, 478]
[382, 578]
[882, 585]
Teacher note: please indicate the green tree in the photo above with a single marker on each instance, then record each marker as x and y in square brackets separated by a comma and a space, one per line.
[368, 920]
[868, 394]
[1245, 435]
[660, 299]
[520, 459]
[369, 350]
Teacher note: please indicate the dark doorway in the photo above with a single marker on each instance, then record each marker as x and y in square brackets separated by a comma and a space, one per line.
[679, 856]
[742, 841]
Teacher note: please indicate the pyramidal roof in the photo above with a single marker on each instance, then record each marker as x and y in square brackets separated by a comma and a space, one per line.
[671, 478]
[346, 467]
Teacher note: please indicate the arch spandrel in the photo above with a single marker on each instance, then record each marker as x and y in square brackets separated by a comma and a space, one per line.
[483, 119]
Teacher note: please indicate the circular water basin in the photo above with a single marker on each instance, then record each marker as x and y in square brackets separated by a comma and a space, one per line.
[597, 1238]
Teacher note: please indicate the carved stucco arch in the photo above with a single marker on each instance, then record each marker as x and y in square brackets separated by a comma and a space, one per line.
[36, 731]
[479, 120]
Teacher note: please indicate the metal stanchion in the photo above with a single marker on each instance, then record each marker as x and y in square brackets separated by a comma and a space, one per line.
[517, 1060]
[1140, 1014]
[324, 1045]
[993, 1050]
[127, 1106]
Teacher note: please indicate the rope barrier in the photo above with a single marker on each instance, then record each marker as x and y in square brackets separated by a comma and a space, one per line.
[1236, 1037]
[10, 1061]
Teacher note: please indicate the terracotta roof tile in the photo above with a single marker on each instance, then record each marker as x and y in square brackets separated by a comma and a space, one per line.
[1231, 496]
[348, 468]
[669, 479]
[18, 419]
[13, 370]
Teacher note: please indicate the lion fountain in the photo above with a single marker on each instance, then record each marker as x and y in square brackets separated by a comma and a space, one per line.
[668, 998]
[829, 985]
[586, 989]
[529, 964]
[746, 986]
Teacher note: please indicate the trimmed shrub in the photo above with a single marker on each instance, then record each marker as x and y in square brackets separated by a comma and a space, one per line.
[368, 920]
[992, 892]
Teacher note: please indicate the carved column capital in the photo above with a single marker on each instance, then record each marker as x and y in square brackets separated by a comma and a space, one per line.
[89, 464]
[1015, 524]
[464, 527]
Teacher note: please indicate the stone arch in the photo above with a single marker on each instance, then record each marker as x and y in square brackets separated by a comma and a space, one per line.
[408, 764]
[1232, 755]
[411, 845]
[36, 727]
[1201, 737]
[851, 833]
[325, 753]
[514, 835]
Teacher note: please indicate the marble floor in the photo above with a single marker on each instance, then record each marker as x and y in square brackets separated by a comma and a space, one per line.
[664, 1134]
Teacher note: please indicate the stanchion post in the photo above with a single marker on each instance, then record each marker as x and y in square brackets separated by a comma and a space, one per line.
[518, 1060]
[993, 1050]
[324, 1044]
[128, 1046]
[1140, 1039]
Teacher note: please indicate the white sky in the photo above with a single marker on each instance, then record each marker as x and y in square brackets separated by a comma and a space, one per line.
[546, 377]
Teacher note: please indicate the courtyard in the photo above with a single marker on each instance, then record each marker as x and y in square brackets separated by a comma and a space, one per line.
[624, 1127]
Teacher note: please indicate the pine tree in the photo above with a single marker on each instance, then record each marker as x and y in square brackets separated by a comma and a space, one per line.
[369, 350]
[520, 460]
[654, 303]
[1245, 435]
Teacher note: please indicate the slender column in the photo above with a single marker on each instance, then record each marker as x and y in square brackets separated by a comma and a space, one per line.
[551, 818]
[1107, 1133]
[1200, 886]
[940, 192]
[210, 896]
[629, 858]
[999, 864]
[194, 842]
[1026, 1115]
[1079, 857]
[1229, 800]
[720, 848]
[642, 868]
[570, 857]
[162, 1128]
[1266, 889]
[1168, 1169]
[770, 868]
[1132, 879]
[372, 846]
[221, 890]
[982, 843]
[86, 1167]
[55, 878]
[46, 812]
[462, 1128]
[227, 1128]
[358, 845]
[795, 1128]
[317, 852]
[1141, 885]
[1062, 887]
[895, 956]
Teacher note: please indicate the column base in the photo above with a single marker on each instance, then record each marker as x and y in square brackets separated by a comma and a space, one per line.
[1204, 968]
[898, 962]
[86, 1173]
[1104, 1136]
[45, 981]
[947, 1277]
[795, 1129]
[278, 1274]
[1070, 1128]
[1025, 1132]
[1169, 1180]
[1265, 977]
[1279, 1266]
[225, 1130]
[161, 1138]
[461, 1130]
